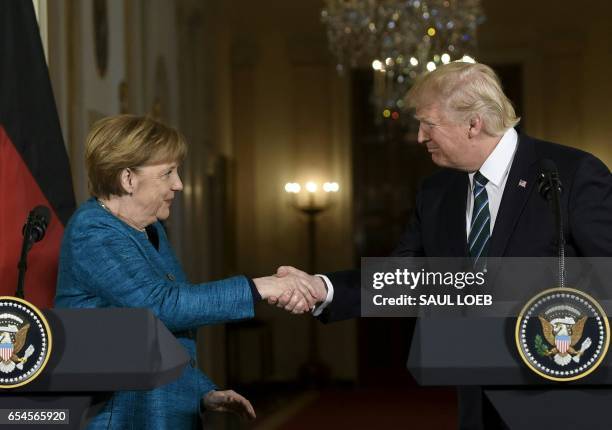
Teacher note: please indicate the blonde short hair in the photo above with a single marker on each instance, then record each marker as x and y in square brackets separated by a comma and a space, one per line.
[464, 89]
[127, 141]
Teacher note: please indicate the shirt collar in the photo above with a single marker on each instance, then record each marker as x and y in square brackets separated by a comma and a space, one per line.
[496, 166]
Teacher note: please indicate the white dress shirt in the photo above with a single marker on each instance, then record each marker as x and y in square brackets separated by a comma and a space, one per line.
[495, 168]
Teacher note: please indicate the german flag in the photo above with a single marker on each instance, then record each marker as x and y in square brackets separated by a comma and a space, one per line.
[34, 168]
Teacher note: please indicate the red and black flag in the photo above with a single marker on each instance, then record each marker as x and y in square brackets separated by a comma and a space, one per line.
[34, 168]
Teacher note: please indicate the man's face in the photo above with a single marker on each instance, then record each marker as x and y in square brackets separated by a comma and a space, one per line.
[446, 140]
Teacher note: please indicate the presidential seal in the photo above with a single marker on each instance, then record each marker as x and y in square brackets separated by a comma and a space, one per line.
[25, 342]
[562, 334]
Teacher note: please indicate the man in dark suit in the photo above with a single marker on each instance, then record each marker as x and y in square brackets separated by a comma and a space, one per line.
[484, 201]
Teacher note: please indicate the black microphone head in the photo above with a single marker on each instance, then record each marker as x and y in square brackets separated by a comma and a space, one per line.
[39, 220]
[42, 212]
[548, 166]
[548, 179]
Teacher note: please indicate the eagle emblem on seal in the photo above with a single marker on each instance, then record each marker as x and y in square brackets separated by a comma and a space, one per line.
[562, 334]
[12, 341]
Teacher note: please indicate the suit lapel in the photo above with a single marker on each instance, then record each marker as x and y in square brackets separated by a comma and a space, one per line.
[453, 217]
[515, 195]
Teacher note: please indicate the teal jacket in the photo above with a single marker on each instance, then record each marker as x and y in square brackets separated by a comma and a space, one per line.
[106, 263]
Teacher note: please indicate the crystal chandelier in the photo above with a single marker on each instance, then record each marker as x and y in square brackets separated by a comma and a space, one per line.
[400, 39]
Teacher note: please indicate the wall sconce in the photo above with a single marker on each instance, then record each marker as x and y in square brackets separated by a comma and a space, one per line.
[311, 198]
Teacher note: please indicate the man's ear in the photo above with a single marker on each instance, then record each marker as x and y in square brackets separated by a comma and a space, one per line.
[475, 126]
[127, 180]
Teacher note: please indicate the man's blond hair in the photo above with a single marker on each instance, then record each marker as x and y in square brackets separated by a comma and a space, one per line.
[462, 90]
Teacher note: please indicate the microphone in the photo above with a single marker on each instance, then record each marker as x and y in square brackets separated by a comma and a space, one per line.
[550, 188]
[33, 231]
[38, 220]
[548, 179]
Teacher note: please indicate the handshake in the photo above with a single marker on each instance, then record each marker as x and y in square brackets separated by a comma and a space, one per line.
[291, 289]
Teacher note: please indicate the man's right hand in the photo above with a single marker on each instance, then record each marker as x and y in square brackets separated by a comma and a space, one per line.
[298, 296]
[315, 285]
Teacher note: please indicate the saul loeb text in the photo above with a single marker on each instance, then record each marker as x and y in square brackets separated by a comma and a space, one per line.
[403, 287]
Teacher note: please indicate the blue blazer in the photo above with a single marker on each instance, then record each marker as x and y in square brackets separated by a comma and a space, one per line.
[106, 263]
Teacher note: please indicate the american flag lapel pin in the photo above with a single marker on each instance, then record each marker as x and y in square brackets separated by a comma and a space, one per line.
[522, 183]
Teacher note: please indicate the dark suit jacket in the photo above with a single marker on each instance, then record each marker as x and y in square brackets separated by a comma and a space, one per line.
[524, 226]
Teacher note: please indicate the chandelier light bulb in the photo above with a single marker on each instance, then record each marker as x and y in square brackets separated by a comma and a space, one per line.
[431, 66]
[445, 58]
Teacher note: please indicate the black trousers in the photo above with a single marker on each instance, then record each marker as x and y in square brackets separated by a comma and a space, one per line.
[476, 411]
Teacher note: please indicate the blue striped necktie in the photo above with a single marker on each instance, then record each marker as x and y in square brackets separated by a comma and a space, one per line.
[480, 229]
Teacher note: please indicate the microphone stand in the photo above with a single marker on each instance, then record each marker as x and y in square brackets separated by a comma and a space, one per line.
[550, 183]
[33, 231]
[23, 260]
[556, 198]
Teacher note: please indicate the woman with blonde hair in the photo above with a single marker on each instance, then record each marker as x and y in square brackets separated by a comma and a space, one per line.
[115, 253]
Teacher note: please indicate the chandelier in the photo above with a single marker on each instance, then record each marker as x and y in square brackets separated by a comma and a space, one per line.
[399, 39]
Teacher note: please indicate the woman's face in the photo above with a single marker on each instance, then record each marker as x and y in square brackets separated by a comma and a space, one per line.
[153, 191]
